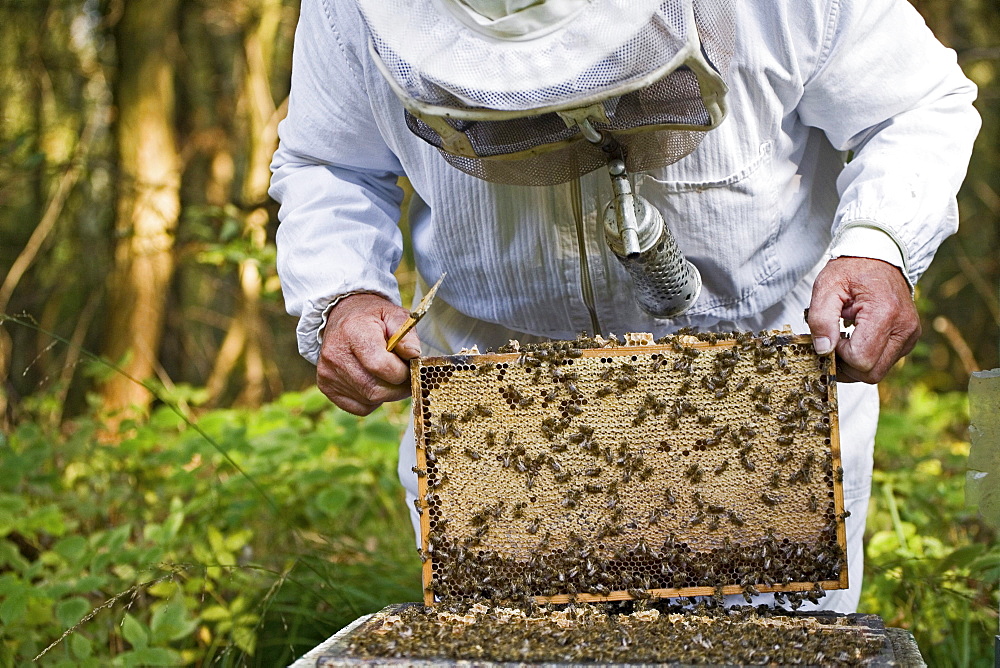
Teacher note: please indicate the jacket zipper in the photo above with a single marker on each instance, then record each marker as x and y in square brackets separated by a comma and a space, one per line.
[586, 287]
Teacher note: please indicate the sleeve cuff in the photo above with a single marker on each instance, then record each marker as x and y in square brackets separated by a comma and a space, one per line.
[871, 241]
[312, 322]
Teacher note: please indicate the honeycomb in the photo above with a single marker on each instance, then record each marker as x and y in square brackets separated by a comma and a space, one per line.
[613, 634]
[585, 470]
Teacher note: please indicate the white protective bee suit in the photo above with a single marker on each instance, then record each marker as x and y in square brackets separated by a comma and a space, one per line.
[758, 207]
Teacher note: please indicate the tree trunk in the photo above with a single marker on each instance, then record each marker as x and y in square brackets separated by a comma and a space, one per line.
[148, 199]
[244, 338]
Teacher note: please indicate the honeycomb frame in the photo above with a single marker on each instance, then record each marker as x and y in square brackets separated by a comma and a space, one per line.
[694, 466]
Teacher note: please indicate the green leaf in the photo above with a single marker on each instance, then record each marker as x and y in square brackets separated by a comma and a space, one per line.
[333, 500]
[215, 613]
[14, 606]
[135, 632]
[71, 610]
[80, 646]
[245, 639]
[151, 656]
[962, 556]
[170, 622]
[72, 548]
[383, 431]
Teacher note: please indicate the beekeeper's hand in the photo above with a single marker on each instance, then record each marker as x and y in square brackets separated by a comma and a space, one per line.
[354, 370]
[874, 296]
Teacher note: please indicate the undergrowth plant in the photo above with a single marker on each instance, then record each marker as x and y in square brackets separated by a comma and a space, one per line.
[931, 565]
[162, 550]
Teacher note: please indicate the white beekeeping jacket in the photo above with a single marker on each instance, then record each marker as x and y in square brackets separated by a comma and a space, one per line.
[758, 207]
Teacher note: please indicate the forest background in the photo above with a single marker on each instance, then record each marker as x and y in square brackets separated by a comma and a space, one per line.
[236, 517]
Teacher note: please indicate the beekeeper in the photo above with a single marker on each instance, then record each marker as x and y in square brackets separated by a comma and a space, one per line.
[801, 154]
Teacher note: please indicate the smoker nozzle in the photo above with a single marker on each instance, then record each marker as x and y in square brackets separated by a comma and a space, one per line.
[666, 283]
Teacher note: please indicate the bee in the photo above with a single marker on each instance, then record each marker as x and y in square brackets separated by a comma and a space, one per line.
[472, 454]
[713, 524]
[749, 591]
[435, 482]
[638, 594]
[783, 457]
[668, 497]
[485, 368]
[769, 499]
[694, 473]
[813, 503]
[721, 468]
[775, 480]
[533, 525]
[549, 396]
[798, 476]
[682, 365]
[640, 416]
[746, 463]
[421, 473]
[735, 517]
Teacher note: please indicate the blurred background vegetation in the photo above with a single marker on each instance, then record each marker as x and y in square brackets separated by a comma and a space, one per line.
[237, 518]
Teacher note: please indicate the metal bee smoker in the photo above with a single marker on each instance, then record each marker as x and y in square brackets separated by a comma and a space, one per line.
[666, 283]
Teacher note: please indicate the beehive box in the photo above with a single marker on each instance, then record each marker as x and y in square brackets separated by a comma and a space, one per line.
[695, 465]
[412, 635]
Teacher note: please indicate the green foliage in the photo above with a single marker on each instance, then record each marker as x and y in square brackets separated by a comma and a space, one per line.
[154, 548]
[151, 548]
[932, 565]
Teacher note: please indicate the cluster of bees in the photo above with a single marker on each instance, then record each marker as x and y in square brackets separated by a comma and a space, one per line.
[583, 470]
[618, 634]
